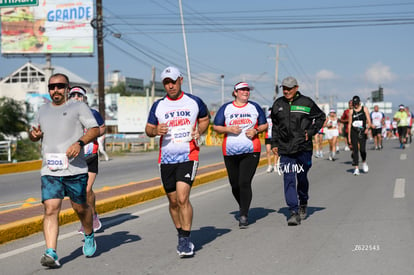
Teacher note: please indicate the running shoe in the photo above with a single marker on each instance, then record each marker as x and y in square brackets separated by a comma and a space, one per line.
[185, 247]
[89, 247]
[50, 259]
[269, 169]
[294, 219]
[96, 223]
[356, 172]
[347, 148]
[243, 222]
[303, 211]
[365, 167]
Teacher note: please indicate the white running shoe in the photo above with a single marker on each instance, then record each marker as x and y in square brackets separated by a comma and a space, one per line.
[356, 172]
[365, 167]
[346, 148]
[269, 169]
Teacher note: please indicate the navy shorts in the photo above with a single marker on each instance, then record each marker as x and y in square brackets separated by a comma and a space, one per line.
[171, 173]
[58, 187]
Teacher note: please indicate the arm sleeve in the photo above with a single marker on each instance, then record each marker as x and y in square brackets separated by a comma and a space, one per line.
[152, 118]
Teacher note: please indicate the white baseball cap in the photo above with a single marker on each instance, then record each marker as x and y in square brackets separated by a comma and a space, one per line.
[171, 72]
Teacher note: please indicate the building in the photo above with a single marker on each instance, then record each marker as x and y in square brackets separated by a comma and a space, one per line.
[32, 79]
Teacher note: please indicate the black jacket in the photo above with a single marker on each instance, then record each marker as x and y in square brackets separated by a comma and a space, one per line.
[291, 120]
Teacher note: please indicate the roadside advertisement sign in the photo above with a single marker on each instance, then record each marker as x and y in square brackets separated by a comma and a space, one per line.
[16, 3]
[55, 26]
[132, 114]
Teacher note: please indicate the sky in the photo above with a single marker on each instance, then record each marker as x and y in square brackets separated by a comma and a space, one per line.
[335, 49]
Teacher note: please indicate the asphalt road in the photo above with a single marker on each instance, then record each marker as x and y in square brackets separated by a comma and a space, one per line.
[16, 188]
[356, 225]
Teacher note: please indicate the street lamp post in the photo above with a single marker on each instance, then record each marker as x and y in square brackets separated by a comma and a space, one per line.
[222, 89]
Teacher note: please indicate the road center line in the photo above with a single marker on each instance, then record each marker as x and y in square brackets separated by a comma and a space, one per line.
[399, 188]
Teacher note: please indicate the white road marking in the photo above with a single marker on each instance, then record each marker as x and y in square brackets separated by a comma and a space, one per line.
[112, 221]
[403, 156]
[399, 188]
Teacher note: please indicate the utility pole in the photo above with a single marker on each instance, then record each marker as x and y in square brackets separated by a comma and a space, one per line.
[222, 89]
[277, 46]
[190, 85]
[152, 140]
[101, 68]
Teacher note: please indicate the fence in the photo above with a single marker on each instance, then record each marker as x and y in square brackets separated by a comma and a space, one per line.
[5, 150]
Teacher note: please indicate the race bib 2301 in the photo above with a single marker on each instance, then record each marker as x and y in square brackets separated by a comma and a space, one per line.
[57, 161]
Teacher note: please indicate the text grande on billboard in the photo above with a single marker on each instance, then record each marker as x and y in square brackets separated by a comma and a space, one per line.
[69, 14]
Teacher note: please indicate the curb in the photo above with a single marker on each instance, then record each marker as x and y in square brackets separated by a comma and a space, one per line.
[29, 226]
[26, 227]
[23, 166]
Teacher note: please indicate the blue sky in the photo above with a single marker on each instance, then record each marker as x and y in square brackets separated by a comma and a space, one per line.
[349, 47]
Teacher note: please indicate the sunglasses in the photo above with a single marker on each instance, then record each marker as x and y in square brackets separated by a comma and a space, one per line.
[58, 85]
[168, 81]
[76, 95]
[287, 88]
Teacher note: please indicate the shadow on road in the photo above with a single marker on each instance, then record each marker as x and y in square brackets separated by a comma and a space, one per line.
[105, 243]
[255, 213]
[311, 210]
[206, 234]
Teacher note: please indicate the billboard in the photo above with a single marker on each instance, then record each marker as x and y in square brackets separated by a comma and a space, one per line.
[133, 113]
[55, 27]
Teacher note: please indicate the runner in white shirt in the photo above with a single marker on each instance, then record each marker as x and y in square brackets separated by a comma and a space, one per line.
[179, 119]
[377, 119]
[332, 133]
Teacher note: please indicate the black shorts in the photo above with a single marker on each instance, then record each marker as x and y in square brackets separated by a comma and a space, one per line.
[402, 131]
[268, 141]
[92, 161]
[171, 173]
[376, 131]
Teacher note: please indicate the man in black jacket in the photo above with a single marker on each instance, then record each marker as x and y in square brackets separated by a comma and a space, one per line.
[296, 119]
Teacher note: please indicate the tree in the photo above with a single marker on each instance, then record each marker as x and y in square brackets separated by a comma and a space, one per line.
[119, 89]
[13, 118]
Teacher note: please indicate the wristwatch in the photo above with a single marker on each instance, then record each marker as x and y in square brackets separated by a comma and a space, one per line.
[81, 143]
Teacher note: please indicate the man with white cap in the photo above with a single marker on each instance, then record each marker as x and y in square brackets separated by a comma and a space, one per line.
[179, 118]
[401, 117]
[296, 118]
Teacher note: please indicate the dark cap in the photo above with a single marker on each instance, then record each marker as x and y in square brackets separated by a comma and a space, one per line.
[356, 100]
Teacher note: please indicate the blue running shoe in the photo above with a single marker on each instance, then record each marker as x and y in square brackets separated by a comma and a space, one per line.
[50, 259]
[89, 247]
[185, 247]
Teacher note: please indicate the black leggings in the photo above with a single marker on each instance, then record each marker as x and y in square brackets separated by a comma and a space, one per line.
[358, 137]
[241, 169]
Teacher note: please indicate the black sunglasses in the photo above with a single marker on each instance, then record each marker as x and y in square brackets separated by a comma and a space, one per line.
[76, 95]
[287, 88]
[58, 85]
[168, 81]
